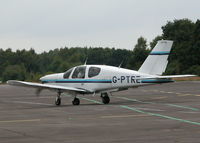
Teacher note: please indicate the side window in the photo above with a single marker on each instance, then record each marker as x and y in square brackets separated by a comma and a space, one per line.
[93, 71]
[67, 73]
[79, 72]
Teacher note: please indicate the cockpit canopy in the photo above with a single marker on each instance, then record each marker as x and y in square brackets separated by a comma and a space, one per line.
[67, 73]
[80, 72]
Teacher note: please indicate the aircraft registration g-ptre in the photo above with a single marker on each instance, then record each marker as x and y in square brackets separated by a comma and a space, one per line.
[102, 79]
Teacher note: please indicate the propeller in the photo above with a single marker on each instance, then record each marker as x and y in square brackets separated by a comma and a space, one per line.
[38, 91]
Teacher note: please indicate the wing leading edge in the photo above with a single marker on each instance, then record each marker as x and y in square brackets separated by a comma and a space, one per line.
[45, 86]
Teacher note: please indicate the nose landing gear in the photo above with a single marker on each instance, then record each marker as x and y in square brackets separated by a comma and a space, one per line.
[105, 98]
[58, 99]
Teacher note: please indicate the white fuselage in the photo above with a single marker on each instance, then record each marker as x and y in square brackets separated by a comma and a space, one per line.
[108, 78]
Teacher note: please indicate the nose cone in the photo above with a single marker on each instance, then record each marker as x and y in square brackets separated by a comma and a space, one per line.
[42, 78]
[51, 78]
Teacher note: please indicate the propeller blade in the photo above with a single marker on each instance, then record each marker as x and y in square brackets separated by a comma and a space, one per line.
[38, 91]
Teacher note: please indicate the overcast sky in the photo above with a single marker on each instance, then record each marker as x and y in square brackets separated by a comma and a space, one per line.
[49, 24]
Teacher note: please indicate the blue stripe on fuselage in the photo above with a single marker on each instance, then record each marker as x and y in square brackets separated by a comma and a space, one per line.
[157, 81]
[77, 81]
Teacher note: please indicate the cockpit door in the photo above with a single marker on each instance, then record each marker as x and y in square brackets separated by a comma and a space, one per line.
[78, 76]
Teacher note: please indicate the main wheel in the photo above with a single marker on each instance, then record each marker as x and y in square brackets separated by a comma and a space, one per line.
[76, 101]
[58, 101]
[105, 98]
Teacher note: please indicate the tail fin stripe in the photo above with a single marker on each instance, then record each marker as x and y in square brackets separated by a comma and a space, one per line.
[156, 62]
[160, 53]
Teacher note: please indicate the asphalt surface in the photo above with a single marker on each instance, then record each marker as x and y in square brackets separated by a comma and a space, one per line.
[168, 113]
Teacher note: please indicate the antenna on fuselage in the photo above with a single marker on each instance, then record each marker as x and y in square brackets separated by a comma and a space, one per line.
[86, 61]
[121, 64]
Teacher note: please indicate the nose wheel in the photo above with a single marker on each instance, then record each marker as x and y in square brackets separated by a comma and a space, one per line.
[58, 99]
[76, 101]
[105, 98]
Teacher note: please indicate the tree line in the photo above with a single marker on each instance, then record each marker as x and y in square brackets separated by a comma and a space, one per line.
[185, 58]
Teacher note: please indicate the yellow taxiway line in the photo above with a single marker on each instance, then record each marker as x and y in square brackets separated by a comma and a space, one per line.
[20, 121]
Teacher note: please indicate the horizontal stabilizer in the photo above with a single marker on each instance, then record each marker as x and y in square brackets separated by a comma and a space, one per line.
[171, 76]
[177, 76]
[163, 79]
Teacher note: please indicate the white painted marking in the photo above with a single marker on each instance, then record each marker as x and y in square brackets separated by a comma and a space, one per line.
[189, 94]
[177, 93]
[169, 92]
[163, 97]
[182, 95]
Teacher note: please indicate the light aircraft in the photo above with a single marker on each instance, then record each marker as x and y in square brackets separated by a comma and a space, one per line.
[102, 79]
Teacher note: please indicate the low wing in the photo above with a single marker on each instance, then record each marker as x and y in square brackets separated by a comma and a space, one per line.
[45, 86]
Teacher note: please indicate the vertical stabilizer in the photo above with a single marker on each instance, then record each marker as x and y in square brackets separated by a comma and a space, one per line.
[157, 60]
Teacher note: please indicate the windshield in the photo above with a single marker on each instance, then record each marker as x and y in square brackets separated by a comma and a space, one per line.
[67, 73]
